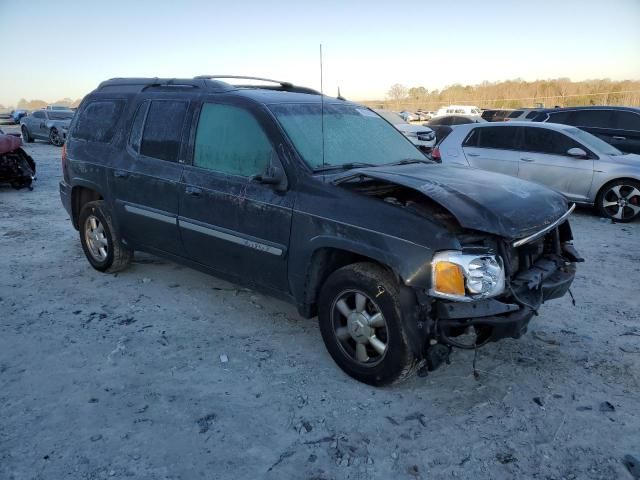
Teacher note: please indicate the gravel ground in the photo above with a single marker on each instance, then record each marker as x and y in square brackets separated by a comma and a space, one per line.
[114, 376]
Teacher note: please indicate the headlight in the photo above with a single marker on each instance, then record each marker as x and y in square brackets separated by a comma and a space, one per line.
[464, 276]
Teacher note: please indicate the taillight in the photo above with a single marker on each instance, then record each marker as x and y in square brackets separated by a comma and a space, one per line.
[435, 154]
[63, 159]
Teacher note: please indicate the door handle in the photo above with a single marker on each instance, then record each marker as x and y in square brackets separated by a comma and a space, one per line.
[619, 138]
[193, 191]
[121, 174]
[527, 159]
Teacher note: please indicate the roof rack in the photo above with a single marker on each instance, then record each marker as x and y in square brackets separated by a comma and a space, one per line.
[240, 77]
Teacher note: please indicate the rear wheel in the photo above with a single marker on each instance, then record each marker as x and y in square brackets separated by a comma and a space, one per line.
[100, 240]
[26, 136]
[620, 200]
[55, 138]
[361, 324]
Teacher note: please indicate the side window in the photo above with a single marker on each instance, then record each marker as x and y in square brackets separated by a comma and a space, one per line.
[230, 140]
[38, 115]
[162, 133]
[626, 120]
[542, 140]
[561, 117]
[97, 120]
[516, 113]
[532, 114]
[592, 118]
[135, 136]
[504, 138]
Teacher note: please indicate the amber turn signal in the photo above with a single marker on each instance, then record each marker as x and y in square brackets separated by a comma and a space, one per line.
[448, 278]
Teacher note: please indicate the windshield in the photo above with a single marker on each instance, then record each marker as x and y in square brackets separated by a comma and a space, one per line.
[594, 143]
[351, 134]
[60, 115]
[391, 117]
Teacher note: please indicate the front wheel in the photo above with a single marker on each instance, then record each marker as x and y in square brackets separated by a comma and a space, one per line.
[620, 200]
[55, 138]
[361, 324]
[100, 240]
[26, 136]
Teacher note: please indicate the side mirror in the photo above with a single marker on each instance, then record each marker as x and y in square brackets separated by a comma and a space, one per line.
[273, 175]
[577, 153]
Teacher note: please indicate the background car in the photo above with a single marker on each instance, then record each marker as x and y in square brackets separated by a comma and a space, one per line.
[459, 110]
[524, 115]
[409, 116]
[618, 126]
[17, 115]
[455, 120]
[51, 125]
[496, 115]
[421, 136]
[577, 164]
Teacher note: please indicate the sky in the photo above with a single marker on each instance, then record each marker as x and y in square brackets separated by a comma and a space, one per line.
[51, 53]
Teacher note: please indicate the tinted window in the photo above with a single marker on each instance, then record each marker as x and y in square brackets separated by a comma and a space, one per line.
[97, 120]
[493, 137]
[136, 128]
[38, 115]
[626, 120]
[541, 140]
[163, 130]
[531, 114]
[515, 114]
[592, 118]
[230, 140]
[560, 117]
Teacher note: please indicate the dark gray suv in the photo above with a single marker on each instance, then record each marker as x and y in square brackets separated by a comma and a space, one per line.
[320, 202]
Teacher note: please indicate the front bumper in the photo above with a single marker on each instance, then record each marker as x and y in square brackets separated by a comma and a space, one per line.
[508, 316]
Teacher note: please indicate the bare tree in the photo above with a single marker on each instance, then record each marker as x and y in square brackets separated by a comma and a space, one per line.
[397, 92]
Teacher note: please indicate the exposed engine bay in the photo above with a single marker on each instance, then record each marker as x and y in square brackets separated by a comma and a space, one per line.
[16, 167]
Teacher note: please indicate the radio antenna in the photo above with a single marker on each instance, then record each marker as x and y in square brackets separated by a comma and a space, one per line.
[321, 106]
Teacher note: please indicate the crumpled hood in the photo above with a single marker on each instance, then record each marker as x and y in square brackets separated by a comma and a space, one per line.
[480, 200]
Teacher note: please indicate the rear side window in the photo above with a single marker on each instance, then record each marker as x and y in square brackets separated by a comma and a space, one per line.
[532, 114]
[230, 140]
[38, 115]
[515, 114]
[561, 117]
[162, 133]
[505, 138]
[592, 118]
[542, 140]
[97, 121]
[626, 120]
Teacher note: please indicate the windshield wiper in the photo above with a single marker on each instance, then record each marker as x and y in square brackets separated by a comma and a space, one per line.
[408, 161]
[344, 166]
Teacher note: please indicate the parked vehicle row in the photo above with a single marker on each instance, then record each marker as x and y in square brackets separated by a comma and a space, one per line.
[323, 203]
[421, 136]
[48, 124]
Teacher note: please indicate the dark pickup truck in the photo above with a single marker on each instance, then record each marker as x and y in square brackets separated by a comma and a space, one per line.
[321, 202]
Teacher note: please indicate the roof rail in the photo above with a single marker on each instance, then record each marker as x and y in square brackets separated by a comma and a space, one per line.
[240, 77]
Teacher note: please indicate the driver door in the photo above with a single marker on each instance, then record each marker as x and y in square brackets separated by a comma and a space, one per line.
[228, 220]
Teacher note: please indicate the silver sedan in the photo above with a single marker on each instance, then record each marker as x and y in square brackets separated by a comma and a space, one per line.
[573, 162]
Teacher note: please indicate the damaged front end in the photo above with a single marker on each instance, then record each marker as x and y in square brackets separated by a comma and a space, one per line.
[505, 268]
[16, 167]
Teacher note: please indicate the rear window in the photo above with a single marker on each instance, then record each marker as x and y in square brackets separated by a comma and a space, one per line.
[162, 133]
[97, 120]
[504, 138]
[592, 118]
[626, 120]
[516, 113]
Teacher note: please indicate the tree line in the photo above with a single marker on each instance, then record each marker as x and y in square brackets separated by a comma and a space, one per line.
[514, 94]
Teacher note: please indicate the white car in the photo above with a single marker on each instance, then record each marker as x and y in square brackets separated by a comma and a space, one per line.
[573, 162]
[421, 136]
[459, 110]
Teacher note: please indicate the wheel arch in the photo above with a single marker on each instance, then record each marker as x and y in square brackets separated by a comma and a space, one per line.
[80, 195]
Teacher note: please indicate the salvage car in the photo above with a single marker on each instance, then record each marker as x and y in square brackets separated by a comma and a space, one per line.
[579, 165]
[422, 137]
[50, 125]
[322, 203]
[16, 167]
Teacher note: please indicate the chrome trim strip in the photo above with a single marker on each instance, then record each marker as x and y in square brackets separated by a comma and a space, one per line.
[150, 214]
[222, 235]
[539, 234]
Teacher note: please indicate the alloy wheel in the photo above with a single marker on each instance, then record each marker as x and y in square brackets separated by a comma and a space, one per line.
[621, 202]
[96, 239]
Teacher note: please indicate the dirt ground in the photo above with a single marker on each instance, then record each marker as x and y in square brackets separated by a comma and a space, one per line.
[118, 376]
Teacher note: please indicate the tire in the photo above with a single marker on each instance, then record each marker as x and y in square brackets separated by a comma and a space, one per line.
[619, 200]
[342, 335]
[54, 138]
[26, 136]
[100, 240]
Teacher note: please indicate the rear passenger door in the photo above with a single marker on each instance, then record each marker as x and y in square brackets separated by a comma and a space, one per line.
[146, 181]
[229, 221]
[544, 160]
[493, 148]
